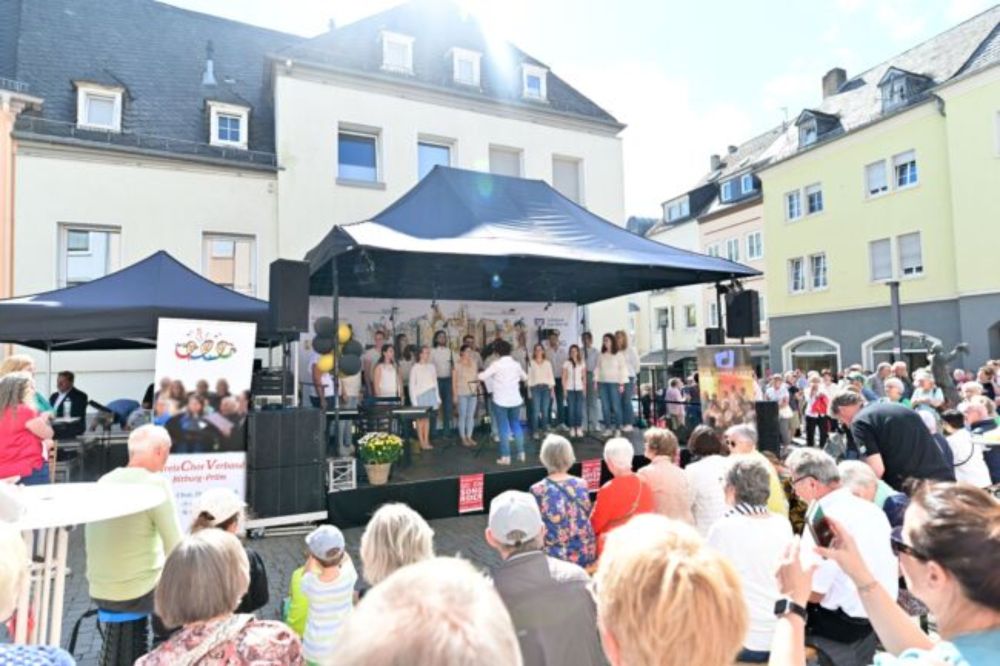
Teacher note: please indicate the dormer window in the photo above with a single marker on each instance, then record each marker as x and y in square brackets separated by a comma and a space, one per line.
[465, 67]
[397, 52]
[533, 79]
[899, 87]
[678, 208]
[808, 133]
[726, 194]
[99, 106]
[746, 184]
[229, 125]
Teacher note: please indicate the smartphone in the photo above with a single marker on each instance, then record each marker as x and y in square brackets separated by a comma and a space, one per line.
[819, 526]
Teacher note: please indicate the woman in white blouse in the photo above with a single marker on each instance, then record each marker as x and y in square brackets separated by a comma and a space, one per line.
[631, 357]
[541, 388]
[574, 381]
[611, 377]
[386, 378]
[424, 393]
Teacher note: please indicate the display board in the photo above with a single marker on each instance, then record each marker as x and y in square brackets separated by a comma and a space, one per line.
[193, 349]
[192, 474]
[726, 381]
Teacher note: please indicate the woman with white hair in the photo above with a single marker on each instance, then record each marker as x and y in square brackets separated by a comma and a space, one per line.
[24, 433]
[624, 496]
[926, 395]
[895, 391]
[396, 536]
[564, 502]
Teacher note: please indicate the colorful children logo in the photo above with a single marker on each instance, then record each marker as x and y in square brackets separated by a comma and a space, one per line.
[201, 345]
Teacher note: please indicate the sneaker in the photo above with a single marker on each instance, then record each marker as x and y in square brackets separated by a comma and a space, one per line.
[504, 460]
[521, 457]
[628, 428]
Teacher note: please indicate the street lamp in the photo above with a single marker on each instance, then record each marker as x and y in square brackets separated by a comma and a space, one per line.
[663, 320]
[897, 320]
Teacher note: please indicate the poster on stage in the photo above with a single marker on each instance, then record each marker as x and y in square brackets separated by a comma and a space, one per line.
[470, 492]
[726, 379]
[191, 475]
[590, 470]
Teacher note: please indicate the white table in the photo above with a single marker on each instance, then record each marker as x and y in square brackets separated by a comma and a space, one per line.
[51, 510]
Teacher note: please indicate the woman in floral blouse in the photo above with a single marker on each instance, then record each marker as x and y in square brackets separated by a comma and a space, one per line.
[565, 505]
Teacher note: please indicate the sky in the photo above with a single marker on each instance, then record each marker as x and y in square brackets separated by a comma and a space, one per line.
[687, 78]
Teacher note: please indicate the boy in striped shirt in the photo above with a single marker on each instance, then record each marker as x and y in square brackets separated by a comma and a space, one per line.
[328, 584]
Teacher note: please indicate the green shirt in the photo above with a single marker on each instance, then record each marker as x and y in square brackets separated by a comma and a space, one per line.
[42, 404]
[296, 604]
[125, 555]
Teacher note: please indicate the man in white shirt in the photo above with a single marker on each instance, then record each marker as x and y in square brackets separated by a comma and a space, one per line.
[591, 415]
[556, 355]
[506, 376]
[838, 625]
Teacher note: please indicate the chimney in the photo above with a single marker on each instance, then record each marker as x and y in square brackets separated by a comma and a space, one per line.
[715, 162]
[208, 76]
[732, 150]
[833, 80]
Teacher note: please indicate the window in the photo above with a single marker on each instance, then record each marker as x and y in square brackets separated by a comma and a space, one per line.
[895, 92]
[228, 124]
[465, 66]
[229, 261]
[755, 245]
[793, 205]
[733, 249]
[796, 275]
[505, 161]
[713, 250]
[875, 180]
[811, 353]
[533, 81]
[817, 269]
[357, 157]
[87, 253]
[713, 315]
[99, 107]
[905, 169]
[746, 184]
[880, 259]
[397, 52]
[911, 260]
[808, 133]
[690, 316]
[566, 178]
[814, 199]
[727, 191]
[762, 306]
[678, 209]
[429, 155]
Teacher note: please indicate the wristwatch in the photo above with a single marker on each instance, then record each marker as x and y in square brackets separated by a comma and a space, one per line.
[785, 606]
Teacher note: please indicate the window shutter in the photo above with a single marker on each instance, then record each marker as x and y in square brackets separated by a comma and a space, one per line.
[880, 255]
[910, 259]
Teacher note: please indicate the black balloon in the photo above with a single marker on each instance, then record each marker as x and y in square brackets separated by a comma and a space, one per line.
[322, 344]
[353, 348]
[350, 364]
[324, 327]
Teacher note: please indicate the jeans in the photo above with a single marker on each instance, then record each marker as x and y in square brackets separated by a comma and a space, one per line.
[509, 420]
[466, 415]
[344, 432]
[541, 407]
[560, 406]
[444, 389]
[611, 404]
[814, 423]
[628, 413]
[591, 414]
[574, 408]
[38, 477]
[493, 417]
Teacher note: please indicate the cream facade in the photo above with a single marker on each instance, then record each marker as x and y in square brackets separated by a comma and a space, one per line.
[682, 338]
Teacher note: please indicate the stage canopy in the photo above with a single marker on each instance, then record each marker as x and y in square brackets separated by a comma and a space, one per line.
[120, 310]
[470, 235]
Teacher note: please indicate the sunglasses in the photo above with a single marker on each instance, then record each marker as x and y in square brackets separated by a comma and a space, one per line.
[900, 546]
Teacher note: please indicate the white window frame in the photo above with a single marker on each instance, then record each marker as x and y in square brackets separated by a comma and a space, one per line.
[690, 309]
[84, 91]
[474, 58]
[543, 74]
[812, 275]
[208, 237]
[812, 189]
[899, 257]
[726, 192]
[677, 209]
[507, 149]
[791, 279]
[797, 194]
[871, 264]
[713, 315]
[762, 307]
[398, 39]
[578, 161]
[896, 163]
[885, 188]
[63, 252]
[713, 250]
[744, 188]
[808, 126]
[786, 349]
[733, 249]
[368, 133]
[751, 255]
[217, 109]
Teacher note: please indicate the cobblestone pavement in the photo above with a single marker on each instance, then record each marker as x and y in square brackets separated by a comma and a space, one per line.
[282, 555]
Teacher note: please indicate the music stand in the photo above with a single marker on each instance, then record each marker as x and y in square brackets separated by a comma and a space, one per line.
[481, 393]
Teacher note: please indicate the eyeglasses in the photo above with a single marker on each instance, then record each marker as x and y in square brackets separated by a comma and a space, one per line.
[900, 546]
[731, 443]
[802, 478]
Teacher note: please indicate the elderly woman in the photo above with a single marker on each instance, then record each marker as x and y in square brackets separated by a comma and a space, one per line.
[704, 475]
[24, 433]
[24, 363]
[668, 482]
[860, 479]
[926, 395]
[944, 524]
[203, 580]
[624, 496]
[754, 540]
[395, 537]
[895, 390]
[564, 502]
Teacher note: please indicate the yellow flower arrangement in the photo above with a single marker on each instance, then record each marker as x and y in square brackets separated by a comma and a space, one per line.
[377, 448]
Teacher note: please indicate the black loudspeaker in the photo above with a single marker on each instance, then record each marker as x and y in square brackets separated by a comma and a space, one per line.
[713, 336]
[289, 296]
[742, 314]
[286, 491]
[768, 435]
[286, 438]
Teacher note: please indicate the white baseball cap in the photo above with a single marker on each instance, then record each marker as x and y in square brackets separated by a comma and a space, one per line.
[514, 517]
[220, 504]
[323, 539]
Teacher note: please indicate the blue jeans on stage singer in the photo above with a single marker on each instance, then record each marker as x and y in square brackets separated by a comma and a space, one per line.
[508, 421]
[444, 391]
[611, 404]
[574, 408]
[628, 412]
[466, 415]
[541, 407]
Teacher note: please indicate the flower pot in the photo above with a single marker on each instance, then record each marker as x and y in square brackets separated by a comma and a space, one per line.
[378, 474]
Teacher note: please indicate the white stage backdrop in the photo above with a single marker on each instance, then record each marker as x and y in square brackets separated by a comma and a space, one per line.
[192, 349]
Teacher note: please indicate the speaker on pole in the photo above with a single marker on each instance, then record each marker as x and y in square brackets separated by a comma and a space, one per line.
[289, 296]
[714, 336]
[742, 314]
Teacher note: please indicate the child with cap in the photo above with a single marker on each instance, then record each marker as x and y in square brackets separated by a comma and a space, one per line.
[328, 585]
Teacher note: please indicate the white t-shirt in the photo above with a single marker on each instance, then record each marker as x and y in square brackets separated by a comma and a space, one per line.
[755, 546]
[706, 478]
[326, 379]
[506, 376]
[970, 466]
[442, 359]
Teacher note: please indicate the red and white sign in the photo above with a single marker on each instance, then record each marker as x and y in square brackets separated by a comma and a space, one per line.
[591, 473]
[470, 492]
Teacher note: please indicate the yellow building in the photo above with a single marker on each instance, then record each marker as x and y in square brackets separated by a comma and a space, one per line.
[892, 177]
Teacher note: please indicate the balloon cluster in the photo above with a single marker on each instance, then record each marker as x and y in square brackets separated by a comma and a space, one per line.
[341, 342]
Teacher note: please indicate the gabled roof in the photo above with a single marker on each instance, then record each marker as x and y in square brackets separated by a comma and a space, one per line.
[895, 72]
[438, 26]
[813, 113]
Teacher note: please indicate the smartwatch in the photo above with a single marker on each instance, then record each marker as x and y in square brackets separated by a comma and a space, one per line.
[785, 606]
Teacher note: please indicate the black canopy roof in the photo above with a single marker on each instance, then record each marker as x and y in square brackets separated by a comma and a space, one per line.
[470, 235]
[121, 310]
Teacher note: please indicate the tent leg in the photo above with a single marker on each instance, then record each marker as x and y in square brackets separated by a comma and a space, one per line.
[335, 291]
[48, 366]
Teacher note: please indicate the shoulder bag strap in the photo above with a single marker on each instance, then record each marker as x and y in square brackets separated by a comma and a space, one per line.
[226, 631]
[571, 497]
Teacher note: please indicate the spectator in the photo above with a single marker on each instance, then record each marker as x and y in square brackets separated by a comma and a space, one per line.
[986, 377]
[926, 395]
[754, 540]
[968, 390]
[704, 475]
[945, 523]
[665, 599]
[856, 383]
[624, 496]
[894, 389]
[742, 440]
[876, 380]
[892, 439]
[25, 435]
[396, 536]
[24, 363]
[547, 598]
[838, 624]
[860, 479]
[969, 462]
[675, 403]
[900, 372]
[439, 611]
[981, 419]
[69, 402]
[222, 509]
[817, 403]
[930, 419]
[13, 575]
[328, 586]
[667, 481]
[777, 392]
[203, 581]
[564, 502]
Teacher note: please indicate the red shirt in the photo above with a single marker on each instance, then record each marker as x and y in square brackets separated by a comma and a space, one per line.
[617, 501]
[20, 449]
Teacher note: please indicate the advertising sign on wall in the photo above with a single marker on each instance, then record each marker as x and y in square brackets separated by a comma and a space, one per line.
[726, 380]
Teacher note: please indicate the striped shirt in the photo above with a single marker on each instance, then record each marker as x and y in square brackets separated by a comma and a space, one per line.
[330, 604]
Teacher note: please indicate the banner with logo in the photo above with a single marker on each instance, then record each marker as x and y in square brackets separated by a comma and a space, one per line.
[590, 470]
[192, 350]
[192, 474]
[726, 382]
[470, 492]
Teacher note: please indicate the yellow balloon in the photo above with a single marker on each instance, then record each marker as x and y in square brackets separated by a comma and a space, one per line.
[344, 333]
[325, 363]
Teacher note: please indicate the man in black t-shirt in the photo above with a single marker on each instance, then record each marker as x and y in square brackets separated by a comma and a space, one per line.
[892, 439]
